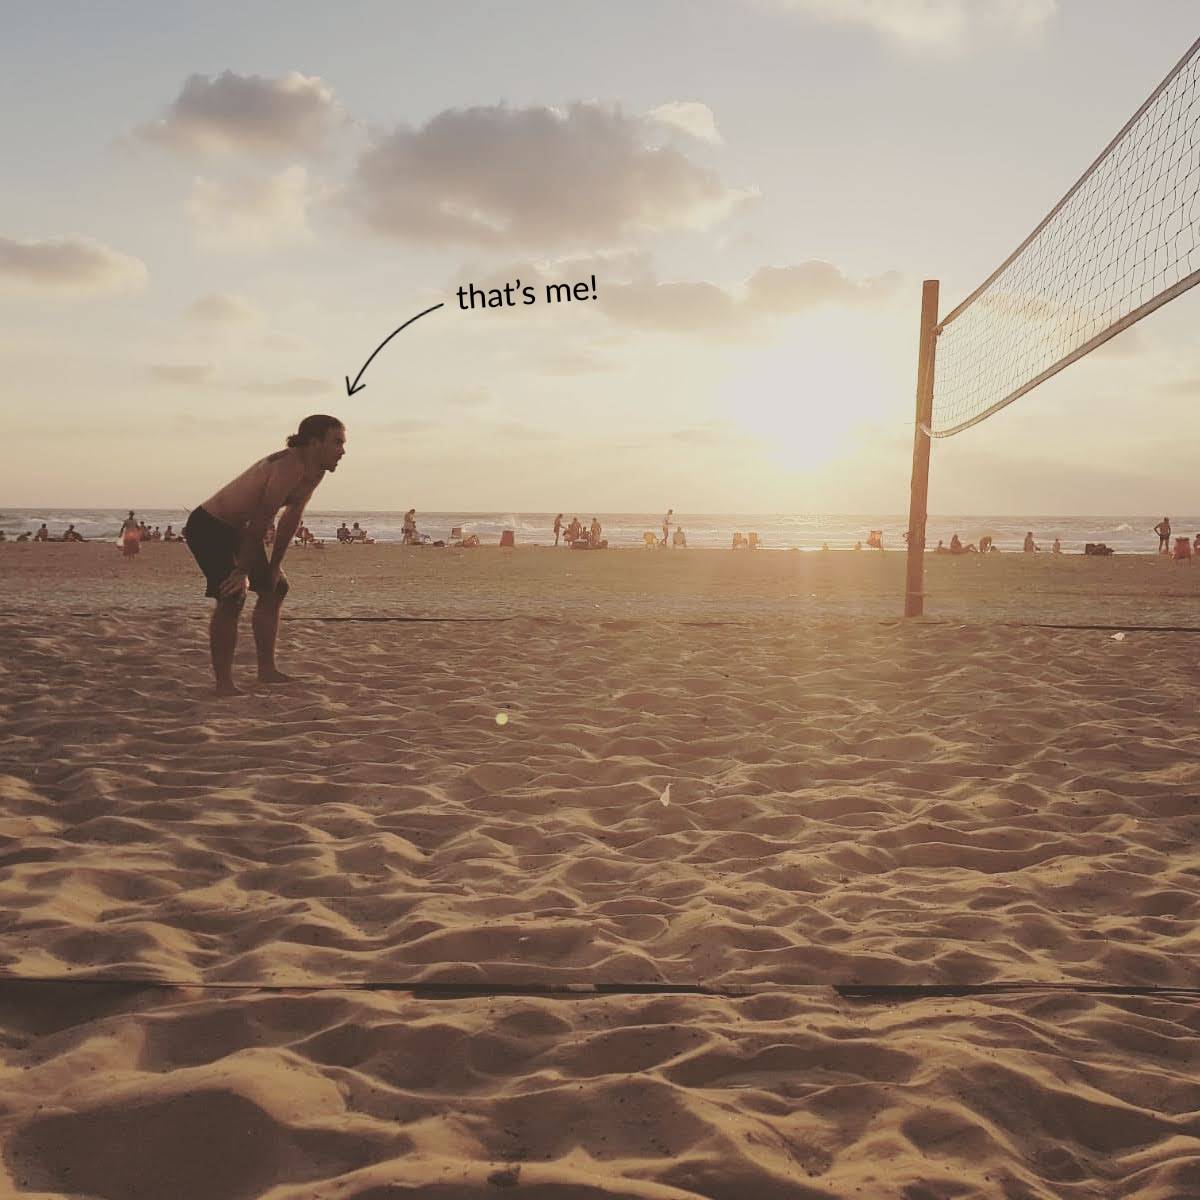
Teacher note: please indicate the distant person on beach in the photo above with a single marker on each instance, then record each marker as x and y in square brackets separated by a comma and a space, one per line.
[72, 535]
[574, 530]
[1030, 546]
[170, 535]
[1196, 545]
[1163, 529]
[680, 538]
[24, 537]
[225, 534]
[43, 534]
[408, 535]
[738, 541]
[1183, 549]
[594, 532]
[558, 528]
[131, 539]
[985, 543]
[940, 548]
[1057, 547]
[343, 533]
[667, 524]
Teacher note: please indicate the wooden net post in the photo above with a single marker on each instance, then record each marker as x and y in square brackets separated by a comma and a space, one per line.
[914, 595]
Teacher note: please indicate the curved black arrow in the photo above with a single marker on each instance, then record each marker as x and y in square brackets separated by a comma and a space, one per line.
[351, 388]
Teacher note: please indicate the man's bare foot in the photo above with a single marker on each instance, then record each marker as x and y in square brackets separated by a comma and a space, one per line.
[229, 689]
[274, 676]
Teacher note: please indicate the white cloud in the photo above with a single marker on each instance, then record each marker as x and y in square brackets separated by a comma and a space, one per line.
[251, 212]
[690, 116]
[704, 308]
[224, 308]
[500, 176]
[929, 24]
[811, 284]
[247, 114]
[71, 264]
[297, 386]
[186, 374]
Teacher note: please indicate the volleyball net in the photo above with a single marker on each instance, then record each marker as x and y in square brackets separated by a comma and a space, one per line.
[1122, 242]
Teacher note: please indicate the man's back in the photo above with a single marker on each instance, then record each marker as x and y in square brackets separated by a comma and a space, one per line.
[271, 482]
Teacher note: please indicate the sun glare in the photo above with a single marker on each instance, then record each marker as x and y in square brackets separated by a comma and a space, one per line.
[806, 397]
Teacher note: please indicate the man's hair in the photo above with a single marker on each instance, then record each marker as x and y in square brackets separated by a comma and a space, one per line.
[313, 429]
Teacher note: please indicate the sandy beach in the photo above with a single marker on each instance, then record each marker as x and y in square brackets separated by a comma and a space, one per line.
[646, 874]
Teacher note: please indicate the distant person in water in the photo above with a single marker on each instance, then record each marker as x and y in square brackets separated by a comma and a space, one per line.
[225, 534]
[1163, 529]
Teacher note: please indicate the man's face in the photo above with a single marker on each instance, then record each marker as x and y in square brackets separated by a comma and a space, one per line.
[332, 448]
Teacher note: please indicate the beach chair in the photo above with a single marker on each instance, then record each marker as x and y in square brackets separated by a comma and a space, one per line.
[456, 532]
[752, 542]
[508, 537]
[875, 539]
[649, 540]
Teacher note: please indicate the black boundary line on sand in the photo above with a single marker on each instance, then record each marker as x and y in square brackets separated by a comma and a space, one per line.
[453, 991]
[886, 621]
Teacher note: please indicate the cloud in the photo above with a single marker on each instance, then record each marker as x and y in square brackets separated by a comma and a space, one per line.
[224, 308]
[629, 293]
[70, 264]
[705, 308]
[575, 362]
[674, 307]
[689, 116]
[1181, 387]
[500, 176]
[1129, 343]
[251, 212]
[811, 284]
[929, 24]
[296, 386]
[285, 343]
[524, 432]
[246, 114]
[187, 374]
[475, 396]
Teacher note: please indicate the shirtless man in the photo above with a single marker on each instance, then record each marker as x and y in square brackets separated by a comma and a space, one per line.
[225, 534]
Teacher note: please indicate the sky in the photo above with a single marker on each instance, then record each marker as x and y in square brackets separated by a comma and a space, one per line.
[212, 214]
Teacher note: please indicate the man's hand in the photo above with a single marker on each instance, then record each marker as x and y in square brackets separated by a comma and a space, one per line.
[234, 584]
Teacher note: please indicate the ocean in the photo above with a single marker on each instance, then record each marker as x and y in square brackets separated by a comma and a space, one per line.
[776, 531]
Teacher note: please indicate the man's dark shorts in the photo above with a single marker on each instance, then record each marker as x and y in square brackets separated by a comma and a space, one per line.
[214, 545]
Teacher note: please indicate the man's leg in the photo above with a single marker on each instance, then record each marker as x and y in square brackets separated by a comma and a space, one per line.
[222, 640]
[266, 632]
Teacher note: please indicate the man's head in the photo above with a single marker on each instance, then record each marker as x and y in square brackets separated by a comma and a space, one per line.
[322, 439]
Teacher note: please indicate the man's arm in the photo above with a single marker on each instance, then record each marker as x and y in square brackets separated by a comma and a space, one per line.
[289, 522]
